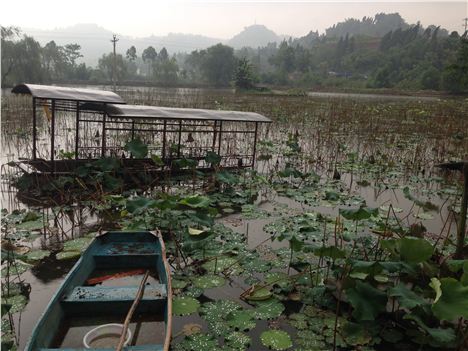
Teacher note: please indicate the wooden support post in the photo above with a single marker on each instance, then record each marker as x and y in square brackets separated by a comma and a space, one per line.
[180, 139]
[254, 145]
[214, 135]
[52, 132]
[77, 126]
[34, 131]
[103, 141]
[163, 151]
[461, 230]
[220, 134]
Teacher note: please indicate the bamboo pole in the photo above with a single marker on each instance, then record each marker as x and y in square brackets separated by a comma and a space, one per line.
[138, 297]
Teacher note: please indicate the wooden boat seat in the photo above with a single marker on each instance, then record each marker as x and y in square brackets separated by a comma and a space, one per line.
[154, 347]
[115, 294]
[127, 249]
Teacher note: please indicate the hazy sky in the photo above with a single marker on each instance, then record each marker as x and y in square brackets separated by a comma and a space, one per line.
[220, 19]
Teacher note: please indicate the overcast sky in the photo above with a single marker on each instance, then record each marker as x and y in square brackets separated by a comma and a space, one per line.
[220, 19]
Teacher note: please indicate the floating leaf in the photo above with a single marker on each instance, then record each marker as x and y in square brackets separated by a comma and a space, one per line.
[67, 255]
[268, 309]
[37, 255]
[208, 281]
[198, 342]
[183, 306]
[241, 320]
[212, 157]
[217, 310]
[79, 244]
[331, 251]
[258, 294]
[238, 341]
[16, 268]
[276, 339]
[17, 302]
[31, 225]
[178, 284]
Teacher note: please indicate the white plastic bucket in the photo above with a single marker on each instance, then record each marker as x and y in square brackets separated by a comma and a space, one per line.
[106, 329]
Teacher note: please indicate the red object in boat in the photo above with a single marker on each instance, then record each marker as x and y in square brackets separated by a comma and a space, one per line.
[97, 280]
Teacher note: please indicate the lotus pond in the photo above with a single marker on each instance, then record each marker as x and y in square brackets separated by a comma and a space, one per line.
[342, 238]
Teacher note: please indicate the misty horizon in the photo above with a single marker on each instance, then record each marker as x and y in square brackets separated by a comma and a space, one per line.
[224, 20]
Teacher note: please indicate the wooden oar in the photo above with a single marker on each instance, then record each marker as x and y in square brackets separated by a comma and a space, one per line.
[132, 309]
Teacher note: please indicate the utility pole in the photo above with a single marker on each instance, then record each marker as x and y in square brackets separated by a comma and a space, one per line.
[465, 24]
[114, 68]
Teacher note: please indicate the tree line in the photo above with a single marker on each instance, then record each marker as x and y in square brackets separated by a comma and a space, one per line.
[350, 54]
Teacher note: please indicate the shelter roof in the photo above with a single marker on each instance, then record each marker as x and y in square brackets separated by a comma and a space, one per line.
[156, 112]
[68, 93]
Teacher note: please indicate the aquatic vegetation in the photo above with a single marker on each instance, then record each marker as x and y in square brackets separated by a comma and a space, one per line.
[342, 238]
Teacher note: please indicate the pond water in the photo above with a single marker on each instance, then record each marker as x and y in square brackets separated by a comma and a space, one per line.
[326, 123]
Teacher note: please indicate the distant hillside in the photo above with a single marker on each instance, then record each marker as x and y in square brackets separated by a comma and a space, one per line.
[95, 41]
[254, 36]
[376, 26]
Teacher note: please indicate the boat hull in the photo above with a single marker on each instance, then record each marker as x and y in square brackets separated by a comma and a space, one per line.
[76, 299]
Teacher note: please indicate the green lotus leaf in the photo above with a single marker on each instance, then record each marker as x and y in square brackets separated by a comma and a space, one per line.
[278, 279]
[183, 306]
[67, 255]
[198, 342]
[37, 255]
[17, 302]
[137, 148]
[406, 297]
[453, 302]
[79, 244]
[178, 284]
[276, 339]
[15, 269]
[298, 321]
[196, 201]
[268, 309]
[259, 294]
[366, 300]
[218, 310]
[360, 213]
[241, 320]
[193, 291]
[37, 224]
[238, 341]
[208, 281]
[415, 250]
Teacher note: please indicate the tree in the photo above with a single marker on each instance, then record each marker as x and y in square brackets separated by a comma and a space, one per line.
[218, 64]
[244, 77]
[131, 53]
[455, 75]
[106, 63]
[149, 56]
[165, 71]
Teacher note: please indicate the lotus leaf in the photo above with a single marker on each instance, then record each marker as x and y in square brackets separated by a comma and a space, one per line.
[37, 255]
[67, 255]
[453, 301]
[268, 309]
[241, 320]
[184, 305]
[17, 302]
[406, 297]
[238, 340]
[79, 244]
[219, 309]
[276, 339]
[198, 342]
[366, 300]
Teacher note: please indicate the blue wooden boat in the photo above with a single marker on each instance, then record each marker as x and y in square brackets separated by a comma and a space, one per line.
[78, 307]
